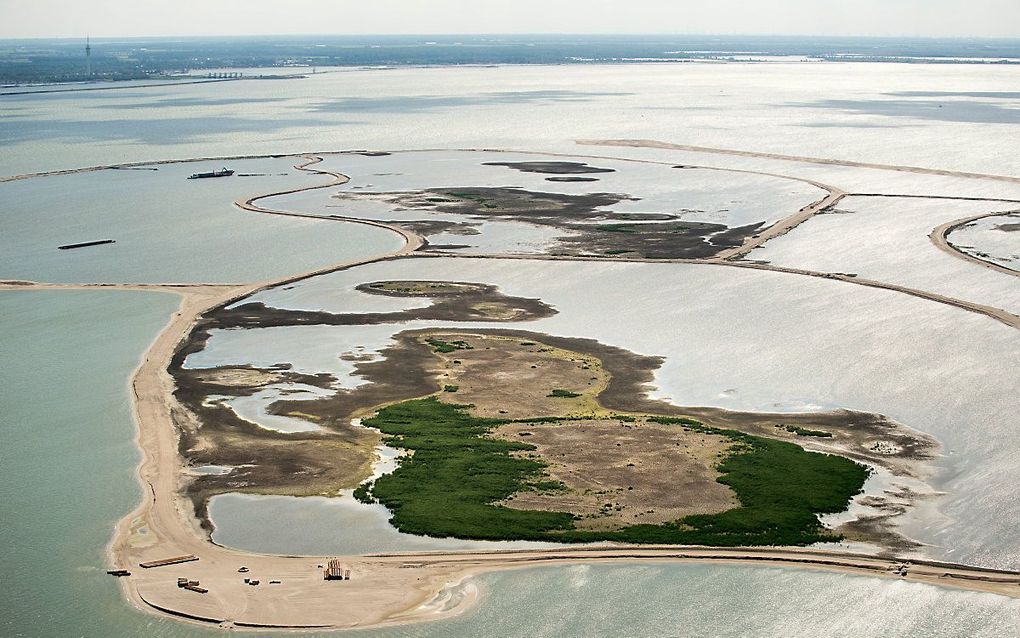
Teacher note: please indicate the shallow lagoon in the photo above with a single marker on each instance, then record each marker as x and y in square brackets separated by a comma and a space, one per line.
[168, 228]
[323, 526]
[990, 239]
[253, 408]
[690, 195]
[886, 238]
[837, 345]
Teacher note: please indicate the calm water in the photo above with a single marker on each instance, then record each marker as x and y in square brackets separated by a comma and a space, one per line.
[715, 601]
[319, 525]
[886, 113]
[886, 238]
[168, 228]
[691, 195]
[68, 455]
[734, 199]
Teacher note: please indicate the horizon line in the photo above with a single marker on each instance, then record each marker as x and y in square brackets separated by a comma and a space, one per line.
[645, 34]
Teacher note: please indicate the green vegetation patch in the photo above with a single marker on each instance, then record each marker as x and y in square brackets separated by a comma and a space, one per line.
[438, 345]
[452, 483]
[560, 393]
[799, 431]
[616, 228]
[447, 487]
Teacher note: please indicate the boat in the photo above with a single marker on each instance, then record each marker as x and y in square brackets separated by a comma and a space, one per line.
[223, 172]
[85, 244]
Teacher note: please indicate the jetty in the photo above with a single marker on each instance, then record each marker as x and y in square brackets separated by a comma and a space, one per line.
[163, 562]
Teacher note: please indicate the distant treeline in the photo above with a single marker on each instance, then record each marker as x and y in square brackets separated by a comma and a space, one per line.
[23, 61]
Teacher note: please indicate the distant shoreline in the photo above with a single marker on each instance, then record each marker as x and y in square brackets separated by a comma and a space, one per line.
[136, 83]
[63, 59]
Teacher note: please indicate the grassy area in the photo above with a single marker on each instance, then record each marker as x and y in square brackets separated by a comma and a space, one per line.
[560, 393]
[447, 486]
[451, 483]
[616, 228]
[422, 288]
[438, 345]
[799, 431]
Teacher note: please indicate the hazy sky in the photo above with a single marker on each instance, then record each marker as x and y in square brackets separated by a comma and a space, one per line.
[48, 18]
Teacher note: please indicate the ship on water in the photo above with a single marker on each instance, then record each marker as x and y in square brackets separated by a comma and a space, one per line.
[223, 172]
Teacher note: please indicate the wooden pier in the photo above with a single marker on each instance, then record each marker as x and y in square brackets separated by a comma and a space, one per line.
[163, 562]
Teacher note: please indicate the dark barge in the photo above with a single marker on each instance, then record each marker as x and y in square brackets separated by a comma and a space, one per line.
[223, 172]
[85, 244]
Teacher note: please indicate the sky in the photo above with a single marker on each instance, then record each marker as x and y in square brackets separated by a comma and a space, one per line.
[936, 18]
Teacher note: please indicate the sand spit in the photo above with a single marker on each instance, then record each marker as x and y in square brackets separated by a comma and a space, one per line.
[796, 158]
[940, 237]
[784, 226]
[402, 588]
[998, 314]
[162, 525]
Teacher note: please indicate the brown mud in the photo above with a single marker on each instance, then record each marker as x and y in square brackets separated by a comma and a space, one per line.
[592, 230]
[553, 167]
